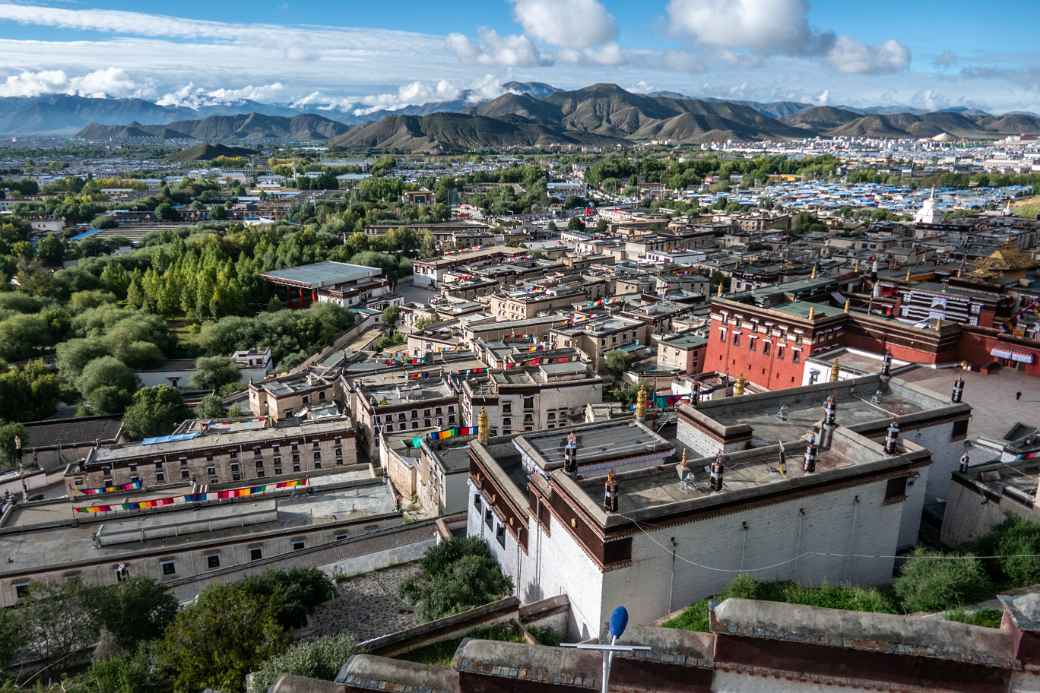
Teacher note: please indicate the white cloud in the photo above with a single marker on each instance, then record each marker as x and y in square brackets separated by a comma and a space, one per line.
[573, 24]
[111, 82]
[745, 30]
[191, 96]
[493, 49]
[35, 83]
[849, 55]
[766, 26]
[412, 94]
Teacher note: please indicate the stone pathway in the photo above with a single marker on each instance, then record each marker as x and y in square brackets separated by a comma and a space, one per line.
[367, 606]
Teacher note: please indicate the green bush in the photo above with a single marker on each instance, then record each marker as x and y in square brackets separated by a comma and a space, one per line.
[695, 617]
[989, 618]
[316, 659]
[457, 575]
[930, 582]
[1018, 543]
[293, 594]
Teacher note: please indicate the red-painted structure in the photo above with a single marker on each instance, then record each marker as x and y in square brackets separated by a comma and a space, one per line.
[769, 346]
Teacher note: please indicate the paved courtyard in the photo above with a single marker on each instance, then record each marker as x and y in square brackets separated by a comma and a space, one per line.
[367, 606]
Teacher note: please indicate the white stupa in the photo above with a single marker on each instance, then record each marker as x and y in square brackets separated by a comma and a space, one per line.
[928, 214]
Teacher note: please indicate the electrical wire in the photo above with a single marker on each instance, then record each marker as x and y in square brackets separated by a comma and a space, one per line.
[819, 554]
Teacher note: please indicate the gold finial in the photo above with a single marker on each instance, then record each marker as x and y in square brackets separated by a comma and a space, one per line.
[739, 386]
[812, 312]
[846, 309]
[719, 293]
[813, 275]
[483, 426]
[907, 274]
[855, 265]
[835, 370]
[641, 402]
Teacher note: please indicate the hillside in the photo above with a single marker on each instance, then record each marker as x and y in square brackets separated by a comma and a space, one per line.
[208, 152]
[821, 118]
[252, 127]
[452, 131]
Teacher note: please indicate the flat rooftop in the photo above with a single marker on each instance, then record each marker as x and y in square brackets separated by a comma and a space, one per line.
[178, 444]
[33, 549]
[655, 491]
[321, 274]
[858, 401]
[597, 442]
[408, 391]
[992, 397]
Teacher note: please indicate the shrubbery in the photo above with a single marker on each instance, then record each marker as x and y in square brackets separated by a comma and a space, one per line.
[932, 582]
[316, 659]
[457, 575]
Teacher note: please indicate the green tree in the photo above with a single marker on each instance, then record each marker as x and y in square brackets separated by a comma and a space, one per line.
[135, 672]
[457, 575]
[219, 639]
[51, 249]
[390, 315]
[12, 636]
[211, 407]
[133, 611]
[55, 621]
[1018, 544]
[155, 411]
[317, 659]
[616, 362]
[28, 393]
[74, 355]
[214, 372]
[165, 212]
[292, 594]
[9, 432]
[932, 582]
[107, 385]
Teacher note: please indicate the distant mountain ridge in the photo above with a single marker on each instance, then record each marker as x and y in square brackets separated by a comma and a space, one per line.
[249, 128]
[599, 112]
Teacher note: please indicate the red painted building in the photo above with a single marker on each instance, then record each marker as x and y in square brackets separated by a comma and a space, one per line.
[769, 346]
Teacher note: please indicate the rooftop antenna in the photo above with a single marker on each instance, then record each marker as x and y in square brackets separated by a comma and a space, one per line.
[617, 624]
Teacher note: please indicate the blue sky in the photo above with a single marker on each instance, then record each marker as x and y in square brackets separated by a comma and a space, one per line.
[367, 55]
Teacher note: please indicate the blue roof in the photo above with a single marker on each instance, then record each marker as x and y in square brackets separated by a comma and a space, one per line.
[169, 439]
[86, 234]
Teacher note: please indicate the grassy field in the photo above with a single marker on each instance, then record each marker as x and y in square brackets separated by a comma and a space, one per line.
[1028, 207]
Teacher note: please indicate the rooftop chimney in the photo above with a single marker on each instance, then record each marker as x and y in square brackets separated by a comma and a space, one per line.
[782, 461]
[892, 438]
[809, 462]
[483, 426]
[610, 493]
[958, 391]
[886, 365]
[716, 470]
[570, 455]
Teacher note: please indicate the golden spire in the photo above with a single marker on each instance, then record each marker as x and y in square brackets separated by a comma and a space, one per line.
[907, 274]
[719, 294]
[739, 386]
[813, 275]
[835, 370]
[846, 309]
[812, 312]
[641, 403]
[483, 426]
[855, 265]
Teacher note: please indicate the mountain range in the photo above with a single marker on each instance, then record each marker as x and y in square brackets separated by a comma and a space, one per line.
[528, 113]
